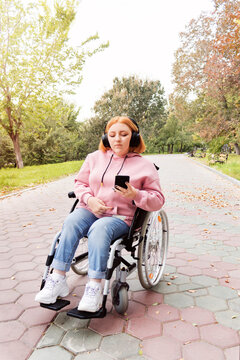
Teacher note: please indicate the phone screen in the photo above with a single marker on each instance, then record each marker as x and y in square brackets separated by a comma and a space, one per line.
[121, 179]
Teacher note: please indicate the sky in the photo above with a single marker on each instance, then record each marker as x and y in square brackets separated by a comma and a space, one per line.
[143, 36]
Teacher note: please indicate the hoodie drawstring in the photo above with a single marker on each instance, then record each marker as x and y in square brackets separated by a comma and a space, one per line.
[109, 165]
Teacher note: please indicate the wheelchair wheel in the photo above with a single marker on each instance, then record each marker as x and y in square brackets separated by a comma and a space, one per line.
[80, 267]
[119, 299]
[152, 251]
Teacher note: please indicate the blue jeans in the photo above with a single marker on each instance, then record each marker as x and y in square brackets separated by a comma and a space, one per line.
[100, 233]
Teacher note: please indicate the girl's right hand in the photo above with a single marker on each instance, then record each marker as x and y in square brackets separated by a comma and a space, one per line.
[97, 206]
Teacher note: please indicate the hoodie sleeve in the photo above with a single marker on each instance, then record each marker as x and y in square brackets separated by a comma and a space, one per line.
[150, 197]
[81, 186]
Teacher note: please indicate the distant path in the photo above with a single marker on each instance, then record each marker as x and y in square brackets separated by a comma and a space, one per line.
[199, 304]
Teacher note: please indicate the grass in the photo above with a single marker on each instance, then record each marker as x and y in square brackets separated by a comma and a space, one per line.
[230, 168]
[12, 179]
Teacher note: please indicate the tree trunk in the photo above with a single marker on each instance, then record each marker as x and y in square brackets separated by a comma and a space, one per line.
[17, 151]
[237, 148]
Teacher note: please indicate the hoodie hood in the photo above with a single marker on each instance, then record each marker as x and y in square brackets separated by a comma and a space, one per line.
[129, 155]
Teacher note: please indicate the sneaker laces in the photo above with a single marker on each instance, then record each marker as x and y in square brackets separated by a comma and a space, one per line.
[91, 291]
[50, 283]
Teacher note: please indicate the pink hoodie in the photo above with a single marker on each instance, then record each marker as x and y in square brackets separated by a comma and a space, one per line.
[102, 166]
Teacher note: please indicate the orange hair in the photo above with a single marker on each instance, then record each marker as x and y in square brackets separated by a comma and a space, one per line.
[124, 120]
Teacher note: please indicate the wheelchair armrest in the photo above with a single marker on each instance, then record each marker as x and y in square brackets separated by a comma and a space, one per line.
[71, 194]
[137, 221]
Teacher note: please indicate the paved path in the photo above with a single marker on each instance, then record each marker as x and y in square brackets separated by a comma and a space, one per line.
[193, 314]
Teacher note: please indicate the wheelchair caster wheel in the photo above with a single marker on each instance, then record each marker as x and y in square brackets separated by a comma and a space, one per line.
[119, 294]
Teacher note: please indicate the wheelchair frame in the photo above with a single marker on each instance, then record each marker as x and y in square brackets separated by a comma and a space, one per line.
[145, 233]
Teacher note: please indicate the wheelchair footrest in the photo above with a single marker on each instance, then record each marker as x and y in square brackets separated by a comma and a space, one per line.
[101, 313]
[58, 305]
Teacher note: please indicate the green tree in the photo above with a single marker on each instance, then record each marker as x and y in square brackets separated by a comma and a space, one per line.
[36, 60]
[174, 136]
[7, 157]
[55, 137]
[207, 65]
[142, 100]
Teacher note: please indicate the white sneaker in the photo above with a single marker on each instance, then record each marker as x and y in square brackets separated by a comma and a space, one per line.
[92, 298]
[52, 289]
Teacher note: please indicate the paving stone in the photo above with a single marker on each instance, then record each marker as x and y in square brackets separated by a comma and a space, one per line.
[36, 316]
[179, 300]
[10, 312]
[228, 318]
[164, 288]
[11, 330]
[187, 256]
[70, 323]
[181, 330]
[202, 350]
[189, 270]
[234, 304]
[232, 353]
[94, 355]
[204, 280]
[53, 352]
[196, 292]
[197, 251]
[170, 269]
[80, 340]
[27, 286]
[6, 284]
[27, 301]
[32, 335]
[231, 283]
[163, 312]
[134, 310]
[8, 296]
[120, 346]
[197, 316]
[235, 274]
[231, 259]
[137, 357]
[211, 303]
[53, 336]
[147, 297]
[110, 325]
[143, 328]
[177, 279]
[162, 348]
[134, 285]
[219, 335]
[223, 292]
[14, 350]
[215, 273]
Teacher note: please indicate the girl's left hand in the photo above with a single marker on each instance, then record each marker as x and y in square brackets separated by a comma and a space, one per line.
[129, 193]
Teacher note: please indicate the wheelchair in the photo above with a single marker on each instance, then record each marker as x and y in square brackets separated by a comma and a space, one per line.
[146, 243]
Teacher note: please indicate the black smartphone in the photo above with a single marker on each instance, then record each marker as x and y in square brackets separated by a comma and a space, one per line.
[121, 179]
